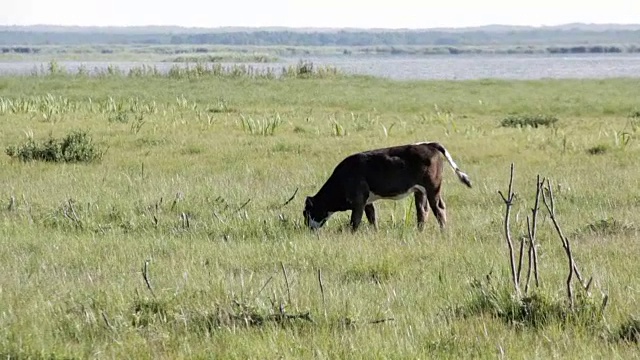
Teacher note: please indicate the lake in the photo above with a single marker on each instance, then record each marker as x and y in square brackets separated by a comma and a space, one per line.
[405, 67]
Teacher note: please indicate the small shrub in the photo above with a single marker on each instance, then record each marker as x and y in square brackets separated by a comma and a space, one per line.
[75, 147]
[528, 120]
[598, 149]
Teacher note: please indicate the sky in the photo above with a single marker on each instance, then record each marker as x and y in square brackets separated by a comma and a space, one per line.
[317, 13]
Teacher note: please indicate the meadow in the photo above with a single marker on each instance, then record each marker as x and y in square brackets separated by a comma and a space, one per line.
[156, 216]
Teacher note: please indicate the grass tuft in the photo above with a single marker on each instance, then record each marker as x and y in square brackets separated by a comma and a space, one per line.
[529, 120]
[265, 127]
[598, 149]
[536, 310]
[629, 331]
[609, 227]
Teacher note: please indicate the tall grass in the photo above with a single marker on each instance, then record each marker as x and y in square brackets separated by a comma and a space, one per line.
[198, 69]
[187, 239]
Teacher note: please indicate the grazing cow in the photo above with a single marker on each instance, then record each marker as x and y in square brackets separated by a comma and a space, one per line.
[387, 173]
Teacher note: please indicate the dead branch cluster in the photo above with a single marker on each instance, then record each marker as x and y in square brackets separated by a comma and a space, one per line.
[246, 314]
[544, 190]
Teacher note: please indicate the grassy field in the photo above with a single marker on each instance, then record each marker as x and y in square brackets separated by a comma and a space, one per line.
[194, 179]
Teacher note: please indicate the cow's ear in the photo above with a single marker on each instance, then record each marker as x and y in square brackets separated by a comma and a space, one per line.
[308, 202]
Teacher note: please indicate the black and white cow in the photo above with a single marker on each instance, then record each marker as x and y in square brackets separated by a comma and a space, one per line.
[386, 173]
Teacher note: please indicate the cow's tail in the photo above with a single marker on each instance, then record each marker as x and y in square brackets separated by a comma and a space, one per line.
[464, 178]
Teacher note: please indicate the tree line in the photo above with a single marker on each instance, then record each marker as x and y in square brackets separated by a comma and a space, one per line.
[330, 38]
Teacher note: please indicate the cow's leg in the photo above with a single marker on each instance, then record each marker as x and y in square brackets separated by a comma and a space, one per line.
[438, 206]
[358, 195]
[356, 216]
[370, 212]
[422, 212]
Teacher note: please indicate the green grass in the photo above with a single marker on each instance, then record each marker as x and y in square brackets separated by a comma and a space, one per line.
[194, 178]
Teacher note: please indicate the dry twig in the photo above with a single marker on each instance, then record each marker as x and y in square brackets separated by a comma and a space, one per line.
[508, 200]
[324, 304]
[106, 320]
[290, 199]
[145, 276]
[12, 203]
[286, 280]
[531, 231]
[243, 206]
[549, 203]
[520, 253]
[265, 285]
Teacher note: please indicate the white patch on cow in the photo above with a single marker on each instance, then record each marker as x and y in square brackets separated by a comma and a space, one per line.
[317, 224]
[314, 224]
[450, 160]
[374, 197]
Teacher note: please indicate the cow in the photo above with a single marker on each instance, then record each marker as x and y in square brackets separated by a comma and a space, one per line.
[392, 173]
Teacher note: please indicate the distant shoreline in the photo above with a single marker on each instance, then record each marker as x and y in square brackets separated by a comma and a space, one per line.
[243, 54]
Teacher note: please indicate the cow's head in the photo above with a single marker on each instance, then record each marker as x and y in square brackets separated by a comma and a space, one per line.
[314, 214]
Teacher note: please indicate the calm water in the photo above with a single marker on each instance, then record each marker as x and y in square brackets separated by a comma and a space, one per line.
[427, 67]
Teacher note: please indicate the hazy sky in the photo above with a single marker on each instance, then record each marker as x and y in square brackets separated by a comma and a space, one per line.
[317, 13]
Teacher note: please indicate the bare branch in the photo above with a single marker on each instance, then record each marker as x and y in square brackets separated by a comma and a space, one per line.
[508, 200]
[12, 203]
[531, 260]
[565, 240]
[243, 205]
[588, 285]
[324, 304]
[530, 257]
[281, 317]
[522, 240]
[569, 277]
[573, 268]
[286, 280]
[106, 320]
[531, 230]
[532, 233]
[265, 285]
[290, 199]
[605, 301]
[218, 217]
[145, 276]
